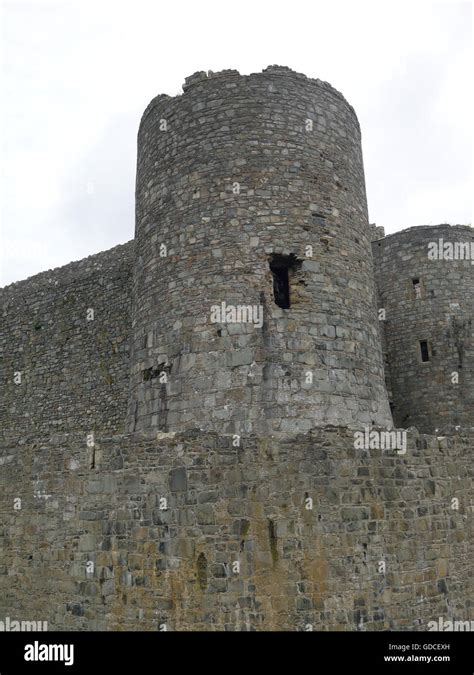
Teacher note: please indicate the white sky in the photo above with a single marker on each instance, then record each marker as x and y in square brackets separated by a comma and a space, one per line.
[76, 77]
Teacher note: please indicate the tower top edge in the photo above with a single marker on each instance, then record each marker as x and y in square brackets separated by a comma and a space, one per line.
[226, 76]
[421, 230]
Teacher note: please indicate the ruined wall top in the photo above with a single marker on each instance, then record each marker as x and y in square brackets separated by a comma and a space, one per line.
[229, 76]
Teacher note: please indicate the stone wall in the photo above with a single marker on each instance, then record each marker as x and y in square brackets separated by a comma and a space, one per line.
[299, 566]
[431, 300]
[235, 174]
[272, 529]
[74, 371]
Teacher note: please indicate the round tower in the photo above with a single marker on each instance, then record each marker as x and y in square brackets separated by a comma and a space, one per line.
[254, 303]
[425, 280]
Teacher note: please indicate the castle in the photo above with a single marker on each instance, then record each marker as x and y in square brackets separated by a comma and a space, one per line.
[178, 413]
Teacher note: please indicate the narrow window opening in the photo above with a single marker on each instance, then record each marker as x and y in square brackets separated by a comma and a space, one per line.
[281, 287]
[202, 571]
[273, 540]
[280, 266]
[425, 355]
[416, 288]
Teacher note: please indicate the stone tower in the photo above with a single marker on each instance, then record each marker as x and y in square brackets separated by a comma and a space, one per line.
[253, 294]
[425, 280]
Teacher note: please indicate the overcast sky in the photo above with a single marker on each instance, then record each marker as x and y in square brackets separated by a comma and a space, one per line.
[76, 77]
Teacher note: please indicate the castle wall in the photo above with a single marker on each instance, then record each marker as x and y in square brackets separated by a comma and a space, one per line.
[299, 566]
[74, 371]
[191, 528]
[438, 393]
[234, 171]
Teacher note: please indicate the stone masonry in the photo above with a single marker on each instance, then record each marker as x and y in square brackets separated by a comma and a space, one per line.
[428, 299]
[236, 171]
[297, 567]
[178, 415]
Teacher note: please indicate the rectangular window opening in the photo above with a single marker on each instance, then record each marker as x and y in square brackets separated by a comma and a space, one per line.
[425, 354]
[416, 288]
[280, 266]
[281, 287]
